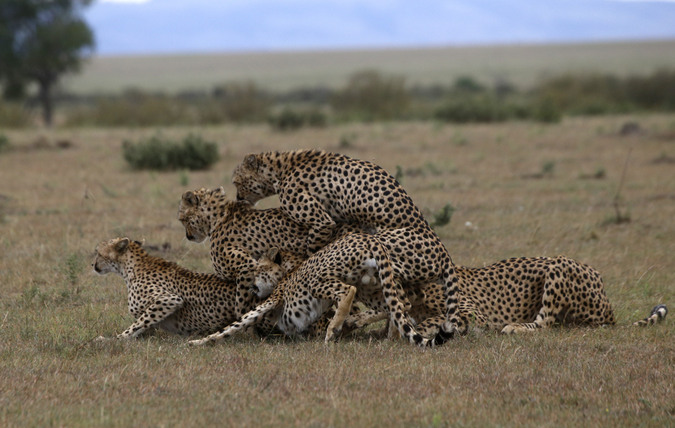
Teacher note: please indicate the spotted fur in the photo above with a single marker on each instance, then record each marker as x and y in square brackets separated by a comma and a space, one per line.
[355, 267]
[319, 189]
[164, 295]
[239, 234]
[526, 294]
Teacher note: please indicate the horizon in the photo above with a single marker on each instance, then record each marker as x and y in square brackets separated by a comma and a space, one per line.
[357, 49]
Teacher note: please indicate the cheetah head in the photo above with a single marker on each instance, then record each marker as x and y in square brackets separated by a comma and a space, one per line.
[253, 179]
[196, 210]
[268, 272]
[110, 256]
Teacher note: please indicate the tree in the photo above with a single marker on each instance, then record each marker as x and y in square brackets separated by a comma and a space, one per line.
[40, 40]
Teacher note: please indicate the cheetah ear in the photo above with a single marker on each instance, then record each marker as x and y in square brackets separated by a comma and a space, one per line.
[190, 198]
[273, 254]
[220, 191]
[122, 245]
[251, 161]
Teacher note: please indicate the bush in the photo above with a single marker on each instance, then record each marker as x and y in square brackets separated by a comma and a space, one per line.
[13, 116]
[370, 95]
[133, 108]
[4, 143]
[474, 109]
[241, 102]
[157, 153]
[289, 119]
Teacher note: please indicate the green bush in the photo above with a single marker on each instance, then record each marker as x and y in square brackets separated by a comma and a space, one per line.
[4, 143]
[289, 119]
[157, 153]
[370, 95]
[240, 102]
[469, 109]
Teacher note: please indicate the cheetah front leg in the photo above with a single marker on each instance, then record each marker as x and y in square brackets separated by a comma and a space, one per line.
[160, 310]
[344, 307]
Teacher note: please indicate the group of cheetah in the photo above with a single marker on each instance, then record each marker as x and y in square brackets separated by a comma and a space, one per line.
[345, 232]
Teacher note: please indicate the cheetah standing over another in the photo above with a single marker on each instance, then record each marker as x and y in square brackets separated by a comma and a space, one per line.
[354, 267]
[318, 189]
[240, 234]
[165, 295]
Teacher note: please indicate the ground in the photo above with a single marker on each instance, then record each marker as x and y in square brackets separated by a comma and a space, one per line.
[519, 189]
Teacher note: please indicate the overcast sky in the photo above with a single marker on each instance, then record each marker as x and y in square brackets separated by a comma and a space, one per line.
[181, 26]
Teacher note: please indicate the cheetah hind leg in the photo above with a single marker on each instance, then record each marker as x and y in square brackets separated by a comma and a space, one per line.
[344, 306]
[544, 319]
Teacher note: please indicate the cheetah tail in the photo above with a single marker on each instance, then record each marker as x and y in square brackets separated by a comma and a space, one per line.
[658, 314]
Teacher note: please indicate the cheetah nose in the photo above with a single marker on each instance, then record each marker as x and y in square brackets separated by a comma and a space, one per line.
[239, 198]
[189, 236]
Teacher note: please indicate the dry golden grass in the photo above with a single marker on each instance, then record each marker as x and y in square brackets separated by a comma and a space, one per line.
[56, 204]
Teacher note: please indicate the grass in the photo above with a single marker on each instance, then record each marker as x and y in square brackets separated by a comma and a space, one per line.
[57, 204]
[521, 65]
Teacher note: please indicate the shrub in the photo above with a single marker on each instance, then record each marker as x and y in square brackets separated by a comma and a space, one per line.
[473, 109]
[13, 116]
[4, 143]
[241, 102]
[133, 108]
[289, 119]
[443, 216]
[370, 95]
[157, 153]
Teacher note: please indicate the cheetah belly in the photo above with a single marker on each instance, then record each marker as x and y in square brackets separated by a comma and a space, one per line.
[297, 319]
[171, 325]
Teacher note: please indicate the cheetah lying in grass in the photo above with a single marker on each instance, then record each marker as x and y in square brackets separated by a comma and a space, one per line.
[525, 294]
[164, 295]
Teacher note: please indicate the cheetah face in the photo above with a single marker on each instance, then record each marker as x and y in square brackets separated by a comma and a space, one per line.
[251, 181]
[267, 273]
[191, 215]
[109, 256]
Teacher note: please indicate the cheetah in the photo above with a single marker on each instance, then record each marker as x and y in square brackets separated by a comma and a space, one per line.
[529, 293]
[357, 267]
[318, 189]
[525, 294]
[164, 295]
[239, 234]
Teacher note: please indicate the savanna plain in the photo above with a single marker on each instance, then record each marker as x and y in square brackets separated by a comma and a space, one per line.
[578, 188]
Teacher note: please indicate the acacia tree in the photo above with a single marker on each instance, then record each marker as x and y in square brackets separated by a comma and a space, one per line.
[40, 40]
